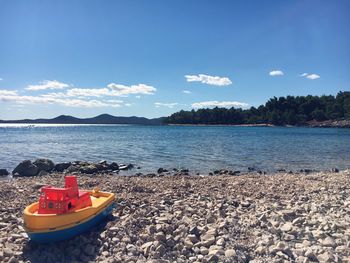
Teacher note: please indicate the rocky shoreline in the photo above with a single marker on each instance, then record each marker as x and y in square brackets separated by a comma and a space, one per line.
[42, 167]
[280, 217]
[330, 124]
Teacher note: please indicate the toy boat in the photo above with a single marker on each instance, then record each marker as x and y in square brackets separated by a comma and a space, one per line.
[63, 213]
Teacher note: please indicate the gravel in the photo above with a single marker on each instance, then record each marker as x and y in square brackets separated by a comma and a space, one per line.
[248, 218]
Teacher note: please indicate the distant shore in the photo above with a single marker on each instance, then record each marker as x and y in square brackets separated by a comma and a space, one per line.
[310, 124]
[235, 125]
[222, 218]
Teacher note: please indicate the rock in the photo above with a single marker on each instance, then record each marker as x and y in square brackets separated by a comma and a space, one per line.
[207, 240]
[60, 167]
[170, 242]
[282, 255]
[188, 244]
[123, 167]
[204, 251]
[328, 242]
[260, 250]
[89, 169]
[25, 168]
[279, 246]
[101, 166]
[210, 219]
[215, 250]
[230, 253]
[287, 227]
[245, 204]
[73, 168]
[160, 249]
[44, 165]
[3, 172]
[193, 238]
[161, 170]
[310, 255]
[160, 236]
[42, 173]
[326, 257]
[220, 242]
[212, 258]
[114, 166]
[132, 249]
[8, 252]
[37, 186]
[262, 218]
[146, 247]
[194, 230]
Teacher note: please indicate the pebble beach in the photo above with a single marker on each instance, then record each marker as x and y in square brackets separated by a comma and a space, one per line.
[279, 217]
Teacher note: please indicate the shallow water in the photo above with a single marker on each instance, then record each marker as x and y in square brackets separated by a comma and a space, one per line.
[198, 148]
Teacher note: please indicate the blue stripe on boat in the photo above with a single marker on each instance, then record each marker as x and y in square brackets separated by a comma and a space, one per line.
[67, 233]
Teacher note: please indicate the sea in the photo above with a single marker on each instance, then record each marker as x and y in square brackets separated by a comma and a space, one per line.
[201, 149]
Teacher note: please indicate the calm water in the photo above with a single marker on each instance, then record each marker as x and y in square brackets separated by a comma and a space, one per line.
[196, 148]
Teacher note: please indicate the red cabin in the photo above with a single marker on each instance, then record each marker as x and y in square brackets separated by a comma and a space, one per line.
[62, 200]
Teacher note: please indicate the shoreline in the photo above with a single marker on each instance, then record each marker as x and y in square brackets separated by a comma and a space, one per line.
[222, 218]
[43, 167]
[309, 124]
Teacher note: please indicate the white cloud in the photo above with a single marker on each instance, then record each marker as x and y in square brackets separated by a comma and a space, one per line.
[313, 76]
[89, 92]
[8, 92]
[211, 80]
[77, 97]
[161, 104]
[48, 84]
[115, 101]
[275, 73]
[310, 76]
[120, 90]
[223, 104]
[55, 95]
[0, 79]
[52, 100]
[186, 91]
[113, 90]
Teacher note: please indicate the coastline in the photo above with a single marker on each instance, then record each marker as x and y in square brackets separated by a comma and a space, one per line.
[310, 124]
[220, 218]
[224, 125]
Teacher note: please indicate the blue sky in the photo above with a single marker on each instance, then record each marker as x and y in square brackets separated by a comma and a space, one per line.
[153, 58]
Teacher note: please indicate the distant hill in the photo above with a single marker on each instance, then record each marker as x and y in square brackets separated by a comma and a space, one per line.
[100, 119]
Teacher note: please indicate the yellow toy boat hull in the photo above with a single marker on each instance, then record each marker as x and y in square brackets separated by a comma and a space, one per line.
[53, 227]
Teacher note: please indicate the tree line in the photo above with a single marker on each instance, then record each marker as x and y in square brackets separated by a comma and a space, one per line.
[288, 110]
